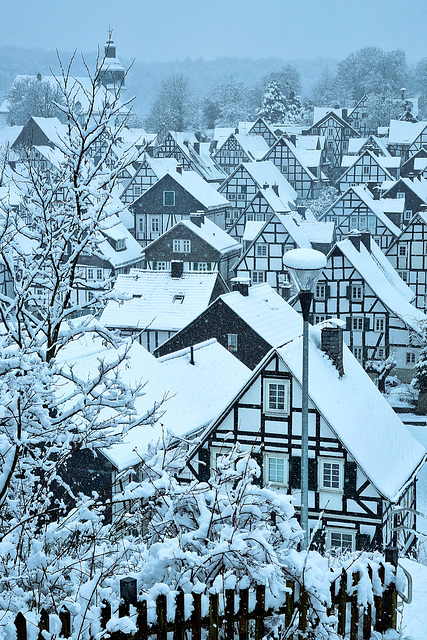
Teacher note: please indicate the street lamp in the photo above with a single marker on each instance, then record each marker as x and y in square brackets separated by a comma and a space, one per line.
[305, 266]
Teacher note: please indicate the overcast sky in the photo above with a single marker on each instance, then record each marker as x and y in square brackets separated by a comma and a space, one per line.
[176, 29]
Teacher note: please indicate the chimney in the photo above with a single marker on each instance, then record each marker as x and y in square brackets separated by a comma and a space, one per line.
[366, 240]
[403, 89]
[197, 218]
[293, 139]
[265, 185]
[179, 168]
[355, 240]
[275, 188]
[236, 130]
[376, 192]
[301, 210]
[39, 77]
[177, 268]
[344, 114]
[332, 345]
[196, 146]
[241, 285]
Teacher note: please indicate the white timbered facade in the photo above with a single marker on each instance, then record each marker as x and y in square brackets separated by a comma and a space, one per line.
[263, 205]
[261, 128]
[352, 480]
[337, 133]
[149, 171]
[408, 255]
[361, 288]
[357, 209]
[406, 138]
[368, 168]
[287, 159]
[240, 148]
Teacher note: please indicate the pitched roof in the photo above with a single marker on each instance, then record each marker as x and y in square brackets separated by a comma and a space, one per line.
[419, 187]
[384, 281]
[355, 145]
[353, 408]
[403, 132]
[266, 172]
[201, 190]
[386, 163]
[254, 146]
[157, 301]
[213, 235]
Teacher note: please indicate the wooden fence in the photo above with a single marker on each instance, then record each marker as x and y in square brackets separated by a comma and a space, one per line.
[223, 620]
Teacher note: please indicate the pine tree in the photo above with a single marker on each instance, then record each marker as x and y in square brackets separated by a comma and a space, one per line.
[274, 107]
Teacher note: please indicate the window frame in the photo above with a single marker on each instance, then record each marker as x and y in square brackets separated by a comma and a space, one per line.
[340, 530]
[232, 342]
[268, 410]
[261, 249]
[256, 280]
[379, 321]
[352, 290]
[169, 204]
[277, 455]
[320, 479]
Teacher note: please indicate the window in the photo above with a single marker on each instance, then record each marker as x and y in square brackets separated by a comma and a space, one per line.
[276, 469]
[330, 132]
[99, 274]
[331, 475]
[258, 277]
[168, 198]
[321, 291]
[366, 170]
[330, 144]
[261, 249]
[379, 325]
[181, 246]
[155, 225]
[120, 244]
[402, 250]
[357, 323]
[403, 275]
[160, 266]
[89, 296]
[411, 357]
[202, 266]
[90, 274]
[358, 353]
[232, 342]
[354, 222]
[276, 396]
[400, 195]
[380, 353]
[341, 539]
[356, 292]
[408, 214]
[137, 190]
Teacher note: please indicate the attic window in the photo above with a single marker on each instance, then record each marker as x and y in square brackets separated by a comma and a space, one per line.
[120, 244]
[179, 298]
[168, 198]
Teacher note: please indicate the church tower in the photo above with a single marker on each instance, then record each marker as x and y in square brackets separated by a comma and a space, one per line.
[111, 74]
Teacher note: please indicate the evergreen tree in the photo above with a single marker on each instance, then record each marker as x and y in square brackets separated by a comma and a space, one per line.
[274, 107]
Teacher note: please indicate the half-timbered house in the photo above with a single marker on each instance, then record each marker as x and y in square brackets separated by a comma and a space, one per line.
[369, 169]
[171, 199]
[261, 128]
[415, 164]
[406, 138]
[408, 255]
[356, 146]
[361, 288]
[337, 133]
[191, 153]
[357, 209]
[248, 322]
[240, 148]
[148, 171]
[263, 205]
[199, 243]
[250, 177]
[413, 193]
[160, 303]
[266, 242]
[362, 459]
[292, 163]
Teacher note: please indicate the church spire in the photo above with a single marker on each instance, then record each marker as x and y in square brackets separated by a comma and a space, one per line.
[111, 73]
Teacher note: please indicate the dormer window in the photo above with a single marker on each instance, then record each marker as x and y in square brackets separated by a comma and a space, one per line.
[168, 198]
[120, 244]
[179, 298]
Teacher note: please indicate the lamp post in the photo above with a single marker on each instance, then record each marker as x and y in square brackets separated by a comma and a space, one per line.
[305, 266]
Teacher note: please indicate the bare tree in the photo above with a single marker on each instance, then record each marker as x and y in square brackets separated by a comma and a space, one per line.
[33, 97]
[173, 107]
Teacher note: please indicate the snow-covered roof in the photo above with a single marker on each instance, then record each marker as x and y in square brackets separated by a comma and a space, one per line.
[358, 414]
[252, 229]
[419, 187]
[221, 134]
[310, 142]
[355, 145]
[212, 234]
[158, 301]
[265, 312]
[321, 112]
[245, 127]
[384, 281]
[204, 192]
[385, 162]
[266, 173]
[55, 156]
[254, 146]
[276, 202]
[402, 132]
[201, 159]
[114, 229]
[420, 164]
[378, 207]
[8, 135]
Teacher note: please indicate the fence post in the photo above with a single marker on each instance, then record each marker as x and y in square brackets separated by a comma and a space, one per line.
[196, 617]
[354, 624]
[162, 617]
[342, 604]
[367, 614]
[43, 623]
[21, 626]
[379, 603]
[179, 630]
[105, 614]
[243, 614]
[141, 620]
[65, 617]
[213, 616]
[259, 612]
[229, 614]
[128, 595]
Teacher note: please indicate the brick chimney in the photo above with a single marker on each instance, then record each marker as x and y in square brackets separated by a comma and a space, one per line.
[177, 268]
[332, 345]
[366, 240]
[301, 210]
[241, 285]
[179, 168]
[196, 146]
[197, 218]
[275, 188]
[355, 240]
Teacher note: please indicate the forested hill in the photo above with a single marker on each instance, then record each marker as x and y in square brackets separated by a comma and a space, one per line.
[145, 77]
